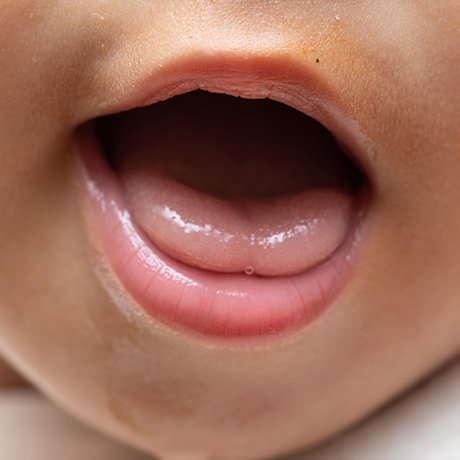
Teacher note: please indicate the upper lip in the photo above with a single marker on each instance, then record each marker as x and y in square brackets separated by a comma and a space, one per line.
[275, 76]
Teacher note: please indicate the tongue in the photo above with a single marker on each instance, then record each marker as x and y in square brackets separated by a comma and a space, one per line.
[251, 187]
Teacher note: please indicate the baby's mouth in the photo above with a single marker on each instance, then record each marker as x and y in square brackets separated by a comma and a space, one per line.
[223, 216]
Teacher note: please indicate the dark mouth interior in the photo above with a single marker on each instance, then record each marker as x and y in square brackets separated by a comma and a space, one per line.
[228, 147]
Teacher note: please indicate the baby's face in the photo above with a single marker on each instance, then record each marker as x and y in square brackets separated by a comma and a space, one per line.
[213, 278]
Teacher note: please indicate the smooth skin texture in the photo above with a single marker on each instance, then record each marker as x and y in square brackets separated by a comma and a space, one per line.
[396, 68]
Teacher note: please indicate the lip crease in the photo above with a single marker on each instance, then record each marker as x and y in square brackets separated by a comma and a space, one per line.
[213, 305]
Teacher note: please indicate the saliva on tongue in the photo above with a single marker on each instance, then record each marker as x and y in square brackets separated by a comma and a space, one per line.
[231, 185]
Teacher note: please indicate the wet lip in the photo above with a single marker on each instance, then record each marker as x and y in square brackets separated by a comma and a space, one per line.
[201, 303]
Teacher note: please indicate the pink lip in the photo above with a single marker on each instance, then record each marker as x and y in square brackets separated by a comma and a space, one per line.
[188, 299]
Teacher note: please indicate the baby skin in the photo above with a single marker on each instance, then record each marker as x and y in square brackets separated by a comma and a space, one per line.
[229, 276]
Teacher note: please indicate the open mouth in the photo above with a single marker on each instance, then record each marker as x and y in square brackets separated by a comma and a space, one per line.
[223, 216]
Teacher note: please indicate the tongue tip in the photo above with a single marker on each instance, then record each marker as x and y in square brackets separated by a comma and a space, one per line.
[280, 237]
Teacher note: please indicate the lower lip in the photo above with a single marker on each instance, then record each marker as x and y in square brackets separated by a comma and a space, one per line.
[206, 304]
